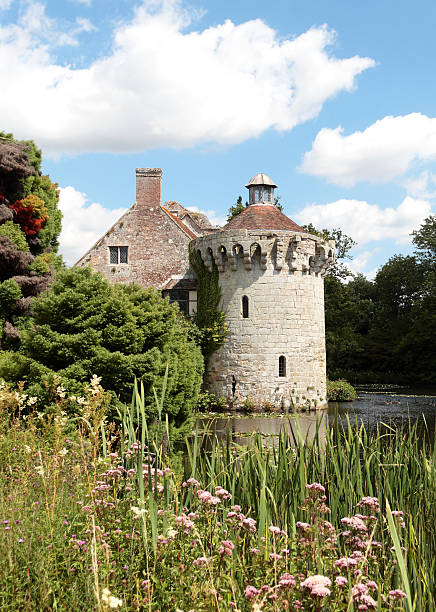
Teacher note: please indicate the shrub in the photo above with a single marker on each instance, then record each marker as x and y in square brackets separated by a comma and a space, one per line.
[10, 292]
[12, 231]
[84, 326]
[340, 391]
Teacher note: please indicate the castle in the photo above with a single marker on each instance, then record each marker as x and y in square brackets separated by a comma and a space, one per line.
[271, 277]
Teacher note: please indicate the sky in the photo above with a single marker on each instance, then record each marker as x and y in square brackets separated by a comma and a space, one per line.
[334, 100]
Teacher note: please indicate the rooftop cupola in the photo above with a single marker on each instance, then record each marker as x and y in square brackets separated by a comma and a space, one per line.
[261, 189]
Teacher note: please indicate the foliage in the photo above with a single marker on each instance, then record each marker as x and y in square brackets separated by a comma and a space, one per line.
[424, 240]
[236, 209]
[13, 232]
[28, 217]
[209, 318]
[208, 402]
[90, 525]
[30, 222]
[10, 293]
[83, 326]
[386, 328]
[340, 391]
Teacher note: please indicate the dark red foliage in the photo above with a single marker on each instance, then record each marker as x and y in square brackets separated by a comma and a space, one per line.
[29, 224]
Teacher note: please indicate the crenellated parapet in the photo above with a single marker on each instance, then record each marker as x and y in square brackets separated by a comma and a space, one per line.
[280, 250]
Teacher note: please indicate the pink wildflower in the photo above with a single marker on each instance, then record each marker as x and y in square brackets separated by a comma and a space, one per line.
[254, 551]
[355, 523]
[397, 594]
[274, 530]
[275, 557]
[251, 592]
[316, 487]
[220, 492]
[346, 562]
[226, 548]
[317, 585]
[200, 561]
[341, 581]
[297, 605]
[303, 526]
[287, 580]
[250, 524]
[370, 502]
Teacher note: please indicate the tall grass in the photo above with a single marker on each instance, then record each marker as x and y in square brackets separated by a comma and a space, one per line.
[395, 465]
[98, 518]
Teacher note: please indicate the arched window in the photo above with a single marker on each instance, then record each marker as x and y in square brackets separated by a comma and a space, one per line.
[244, 307]
[282, 366]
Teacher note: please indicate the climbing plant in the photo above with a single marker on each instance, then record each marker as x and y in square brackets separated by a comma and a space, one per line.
[209, 318]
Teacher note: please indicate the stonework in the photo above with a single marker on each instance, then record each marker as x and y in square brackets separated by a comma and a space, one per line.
[281, 273]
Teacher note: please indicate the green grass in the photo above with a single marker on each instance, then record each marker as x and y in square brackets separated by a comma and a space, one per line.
[76, 519]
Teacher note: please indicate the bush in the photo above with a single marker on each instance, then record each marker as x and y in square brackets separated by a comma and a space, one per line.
[12, 231]
[340, 391]
[84, 326]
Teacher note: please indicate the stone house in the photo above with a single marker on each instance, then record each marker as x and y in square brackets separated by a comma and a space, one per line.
[148, 245]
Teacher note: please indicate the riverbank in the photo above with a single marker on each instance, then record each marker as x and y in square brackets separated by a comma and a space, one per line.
[89, 524]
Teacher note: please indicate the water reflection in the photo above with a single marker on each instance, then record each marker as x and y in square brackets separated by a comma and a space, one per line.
[393, 406]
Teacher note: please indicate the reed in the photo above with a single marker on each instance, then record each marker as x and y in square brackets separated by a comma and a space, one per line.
[396, 466]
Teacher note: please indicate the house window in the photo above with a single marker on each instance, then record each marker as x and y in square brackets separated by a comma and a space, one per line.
[282, 366]
[181, 297]
[244, 307]
[118, 254]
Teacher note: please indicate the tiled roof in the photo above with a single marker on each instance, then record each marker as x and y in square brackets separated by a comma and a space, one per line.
[262, 216]
[180, 223]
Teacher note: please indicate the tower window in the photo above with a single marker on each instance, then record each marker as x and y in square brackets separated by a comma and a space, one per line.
[244, 307]
[282, 366]
[118, 254]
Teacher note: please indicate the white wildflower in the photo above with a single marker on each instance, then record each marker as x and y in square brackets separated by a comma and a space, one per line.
[39, 470]
[27, 448]
[137, 511]
[63, 452]
[110, 600]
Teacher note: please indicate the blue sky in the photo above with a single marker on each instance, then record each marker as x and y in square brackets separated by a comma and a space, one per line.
[334, 100]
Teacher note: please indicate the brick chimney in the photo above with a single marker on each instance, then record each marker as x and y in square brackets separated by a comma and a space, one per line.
[148, 187]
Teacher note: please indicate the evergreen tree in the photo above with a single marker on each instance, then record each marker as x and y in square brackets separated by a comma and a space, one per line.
[82, 325]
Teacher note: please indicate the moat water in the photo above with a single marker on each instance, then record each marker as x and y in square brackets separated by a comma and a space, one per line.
[388, 405]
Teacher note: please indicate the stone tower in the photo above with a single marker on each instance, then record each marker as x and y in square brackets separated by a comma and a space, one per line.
[271, 273]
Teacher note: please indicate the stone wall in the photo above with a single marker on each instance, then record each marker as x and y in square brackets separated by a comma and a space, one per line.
[281, 273]
[157, 246]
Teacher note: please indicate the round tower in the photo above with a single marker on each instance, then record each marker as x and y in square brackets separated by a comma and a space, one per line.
[271, 276]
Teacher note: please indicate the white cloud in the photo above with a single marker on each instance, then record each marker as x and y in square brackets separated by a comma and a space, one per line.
[82, 224]
[212, 215]
[386, 149]
[422, 186]
[367, 222]
[164, 86]
[5, 4]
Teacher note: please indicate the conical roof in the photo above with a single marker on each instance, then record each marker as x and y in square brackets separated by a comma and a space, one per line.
[260, 179]
[262, 217]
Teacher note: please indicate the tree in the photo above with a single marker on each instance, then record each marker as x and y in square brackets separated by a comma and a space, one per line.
[30, 223]
[82, 326]
[236, 209]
